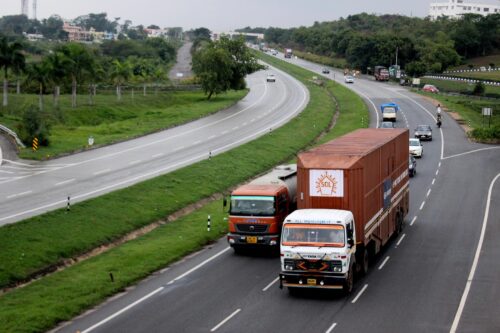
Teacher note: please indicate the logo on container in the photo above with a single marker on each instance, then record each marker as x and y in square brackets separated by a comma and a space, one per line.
[326, 183]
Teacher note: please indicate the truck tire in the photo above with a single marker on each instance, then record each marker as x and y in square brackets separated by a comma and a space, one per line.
[349, 282]
[399, 224]
[365, 262]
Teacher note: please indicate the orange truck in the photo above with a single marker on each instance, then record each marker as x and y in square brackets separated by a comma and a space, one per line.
[257, 209]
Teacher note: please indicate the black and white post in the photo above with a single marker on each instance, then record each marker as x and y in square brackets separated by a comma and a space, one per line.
[68, 205]
[208, 223]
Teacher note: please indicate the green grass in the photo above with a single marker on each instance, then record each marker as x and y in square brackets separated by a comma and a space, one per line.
[460, 87]
[38, 242]
[109, 120]
[494, 75]
[480, 61]
[324, 60]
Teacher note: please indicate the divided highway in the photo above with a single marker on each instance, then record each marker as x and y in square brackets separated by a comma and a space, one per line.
[29, 188]
[428, 280]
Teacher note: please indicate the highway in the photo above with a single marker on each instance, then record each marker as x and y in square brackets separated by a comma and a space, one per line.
[30, 188]
[427, 280]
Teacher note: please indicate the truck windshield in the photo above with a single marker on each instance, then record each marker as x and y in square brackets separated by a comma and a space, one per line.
[389, 110]
[252, 206]
[313, 235]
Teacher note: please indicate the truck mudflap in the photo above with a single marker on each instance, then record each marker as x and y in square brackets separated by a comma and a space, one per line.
[302, 280]
[252, 240]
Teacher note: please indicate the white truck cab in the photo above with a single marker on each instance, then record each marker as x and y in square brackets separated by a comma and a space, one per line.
[318, 249]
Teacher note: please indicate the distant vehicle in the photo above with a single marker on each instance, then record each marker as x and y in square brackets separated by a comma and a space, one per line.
[430, 88]
[416, 148]
[349, 79]
[288, 53]
[325, 71]
[423, 132]
[274, 52]
[389, 111]
[412, 166]
[271, 78]
[381, 73]
[386, 124]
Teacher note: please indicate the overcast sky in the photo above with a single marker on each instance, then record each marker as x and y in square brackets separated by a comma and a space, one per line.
[224, 15]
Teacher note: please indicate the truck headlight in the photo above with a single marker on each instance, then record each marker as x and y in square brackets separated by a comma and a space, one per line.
[337, 269]
[289, 265]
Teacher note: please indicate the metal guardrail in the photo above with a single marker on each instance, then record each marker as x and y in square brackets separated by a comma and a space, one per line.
[12, 134]
[474, 70]
[462, 79]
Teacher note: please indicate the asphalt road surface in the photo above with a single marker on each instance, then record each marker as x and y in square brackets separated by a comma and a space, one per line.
[30, 188]
[440, 275]
[182, 67]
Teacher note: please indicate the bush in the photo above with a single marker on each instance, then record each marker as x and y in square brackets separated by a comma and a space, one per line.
[479, 89]
[487, 133]
[34, 125]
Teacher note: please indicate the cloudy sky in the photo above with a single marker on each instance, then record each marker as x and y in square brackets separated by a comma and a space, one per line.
[223, 15]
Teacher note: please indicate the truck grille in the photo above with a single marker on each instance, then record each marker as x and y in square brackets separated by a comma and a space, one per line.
[313, 265]
[252, 228]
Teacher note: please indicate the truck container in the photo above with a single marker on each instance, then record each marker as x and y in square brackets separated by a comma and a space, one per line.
[389, 111]
[257, 209]
[352, 196]
[288, 53]
[381, 73]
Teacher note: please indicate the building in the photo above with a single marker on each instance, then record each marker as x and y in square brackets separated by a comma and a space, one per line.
[457, 8]
[76, 33]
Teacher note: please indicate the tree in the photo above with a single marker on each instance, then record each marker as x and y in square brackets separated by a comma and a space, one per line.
[34, 125]
[78, 61]
[11, 57]
[55, 64]
[120, 73]
[39, 73]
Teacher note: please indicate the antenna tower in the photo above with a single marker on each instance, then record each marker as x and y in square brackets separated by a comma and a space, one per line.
[24, 7]
[34, 9]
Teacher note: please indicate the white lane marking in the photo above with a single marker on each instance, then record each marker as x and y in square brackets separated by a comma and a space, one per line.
[428, 193]
[199, 265]
[157, 155]
[439, 165]
[470, 152]
[437, 172]
[383, 263]
[331, 328]
[5, 171]
[178, 149]
[236, 128]
[270, 284]
[116, 314]
[19, 194]
[101, 172]
[135, 162]
[359, 294]
[401, 239]
[225, 320]
[433, 181]
[196, 143]
[244, 124]
[212, 137]
[454, 326]
[413, 221]
[422, 205]
[34, 166]
[66, 182]
[371, 102]
[224, 132]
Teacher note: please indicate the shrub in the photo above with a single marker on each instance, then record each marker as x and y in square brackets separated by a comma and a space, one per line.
[487, 133]
[479, 89]
[34, 125]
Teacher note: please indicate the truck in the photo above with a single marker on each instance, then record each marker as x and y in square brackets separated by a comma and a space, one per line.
[389, 111]
[257, 209]
[288, 53]
[352, 197]
[381, 73]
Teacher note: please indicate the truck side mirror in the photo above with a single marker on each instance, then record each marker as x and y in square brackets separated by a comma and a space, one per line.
[350, 241]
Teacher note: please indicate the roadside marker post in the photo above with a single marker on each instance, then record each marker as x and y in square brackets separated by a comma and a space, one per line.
[208, 223]
[68, 205]
[35, 144]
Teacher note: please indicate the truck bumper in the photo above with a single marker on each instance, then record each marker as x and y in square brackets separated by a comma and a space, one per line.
[252, 240]
[311, 280]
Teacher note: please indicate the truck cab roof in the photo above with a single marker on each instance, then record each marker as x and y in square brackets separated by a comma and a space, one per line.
[320, 216]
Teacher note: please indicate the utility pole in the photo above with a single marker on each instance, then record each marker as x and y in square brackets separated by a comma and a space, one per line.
[397, 50]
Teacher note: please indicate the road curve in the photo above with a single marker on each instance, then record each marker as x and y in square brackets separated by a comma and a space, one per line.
[28, 189]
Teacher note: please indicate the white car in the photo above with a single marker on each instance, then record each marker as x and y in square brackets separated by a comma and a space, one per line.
[416, 148]
[349, 79]
[271, 78]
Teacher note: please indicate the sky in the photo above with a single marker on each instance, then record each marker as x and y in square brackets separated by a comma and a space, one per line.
[224, 15]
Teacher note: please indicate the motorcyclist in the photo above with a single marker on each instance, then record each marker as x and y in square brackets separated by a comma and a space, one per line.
[438, 110]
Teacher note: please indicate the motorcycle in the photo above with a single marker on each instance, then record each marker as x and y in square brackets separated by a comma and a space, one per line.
[438, 123]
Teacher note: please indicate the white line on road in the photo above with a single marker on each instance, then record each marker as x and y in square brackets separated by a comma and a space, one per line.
[5, 171]
[65, 182]
[433, 181]
[422, 205]
[225, 320]
[383, 263]
[401, 239]
[413, 221]
[469, 152]
[91, 328]
[236, 128]
[199, 265]
[19, 194]
[135, 162]
[157, 155]
[428, 193]
[359, 294]
[331, 328]
[101, 172]
[212, 137]
[454, 326]
[439, 165]
[244, 124]
[270, 284]
[224, 132]
[196, 143]
[437, 172]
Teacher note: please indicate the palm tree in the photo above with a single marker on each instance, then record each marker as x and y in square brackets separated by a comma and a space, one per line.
[39, 73]
[11, 57]
[56, 64]
[78, 61]
[120, 73]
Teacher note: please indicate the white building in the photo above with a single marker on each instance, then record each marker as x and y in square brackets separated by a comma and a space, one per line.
[456, 8]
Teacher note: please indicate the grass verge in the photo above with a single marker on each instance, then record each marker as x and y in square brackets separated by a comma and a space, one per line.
[47, 239]
[461, 87]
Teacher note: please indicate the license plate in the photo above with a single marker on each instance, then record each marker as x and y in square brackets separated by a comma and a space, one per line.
[311, 281]
[252, 240]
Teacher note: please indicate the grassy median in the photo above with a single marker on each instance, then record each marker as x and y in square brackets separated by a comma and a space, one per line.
[40, 242]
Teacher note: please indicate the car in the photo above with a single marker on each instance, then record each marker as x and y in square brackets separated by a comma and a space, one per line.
[349, 79]
[271, 78]
[386, 124]
[274, 52]
[412, 166]
[430, 88]
[423, 132]
[325, 71]
[416, 148]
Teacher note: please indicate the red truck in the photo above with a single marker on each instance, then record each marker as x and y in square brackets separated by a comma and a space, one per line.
[257, 209]
[381, 73]
[353, 196]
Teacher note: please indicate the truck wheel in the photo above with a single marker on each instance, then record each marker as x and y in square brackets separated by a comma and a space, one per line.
[365, 263]
[399, 224]
[349, 282]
